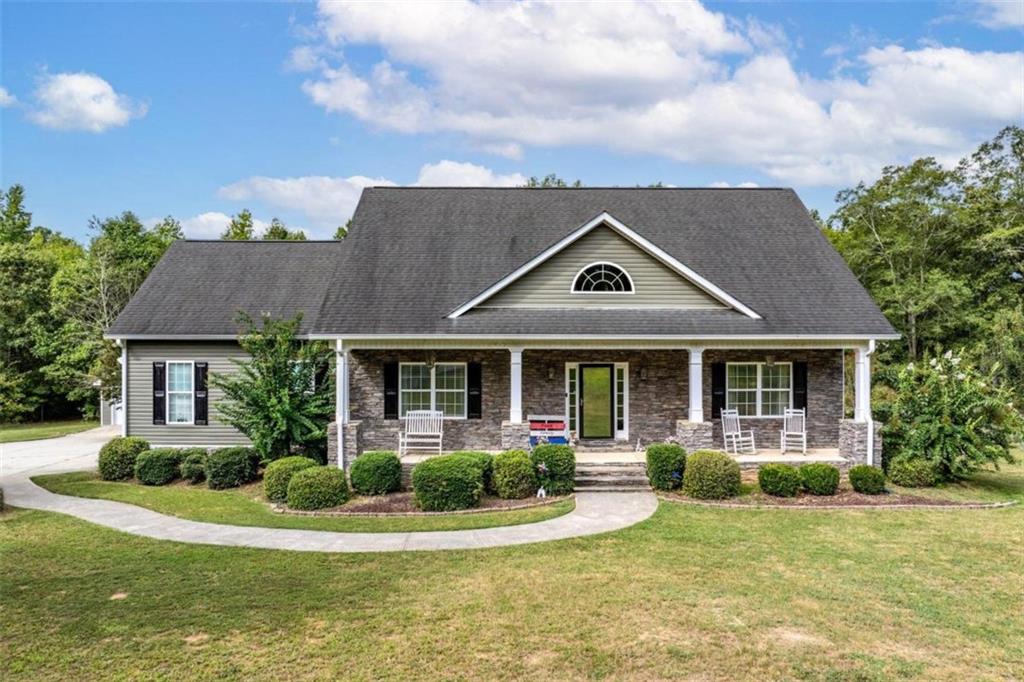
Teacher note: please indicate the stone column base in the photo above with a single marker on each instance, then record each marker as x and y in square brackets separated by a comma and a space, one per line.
[853, 442]
[515, 436]
[351, 445]
[694, 435]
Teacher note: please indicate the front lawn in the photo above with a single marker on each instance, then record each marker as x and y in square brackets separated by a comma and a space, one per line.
[245, 506]
[13, 433]
[694, 592]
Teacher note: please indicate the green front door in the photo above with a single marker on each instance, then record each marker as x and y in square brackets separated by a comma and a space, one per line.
[596, 401]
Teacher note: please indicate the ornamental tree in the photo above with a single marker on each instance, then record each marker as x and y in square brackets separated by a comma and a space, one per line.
[948, 413]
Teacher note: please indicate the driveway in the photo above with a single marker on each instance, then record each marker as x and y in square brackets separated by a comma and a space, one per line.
[77, 452]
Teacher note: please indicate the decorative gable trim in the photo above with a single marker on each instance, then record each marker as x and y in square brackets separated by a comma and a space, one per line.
[650, 248]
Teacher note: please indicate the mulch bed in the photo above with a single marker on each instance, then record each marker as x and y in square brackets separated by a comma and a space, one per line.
[845, 498]
[403, 504]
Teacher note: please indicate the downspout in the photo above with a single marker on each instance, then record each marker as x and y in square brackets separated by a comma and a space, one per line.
[870, 420]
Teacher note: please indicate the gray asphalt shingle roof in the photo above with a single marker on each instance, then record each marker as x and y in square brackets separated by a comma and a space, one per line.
[415, 254]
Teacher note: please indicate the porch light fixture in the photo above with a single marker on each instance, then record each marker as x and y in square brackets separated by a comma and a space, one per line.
[769, 360]
[643, 374]
[551, 372]
[431, 361]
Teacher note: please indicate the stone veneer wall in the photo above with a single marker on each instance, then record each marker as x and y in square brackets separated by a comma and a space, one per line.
[658, 404]
[824, 395]
[853, 442]
[366, 398]
[655, 403]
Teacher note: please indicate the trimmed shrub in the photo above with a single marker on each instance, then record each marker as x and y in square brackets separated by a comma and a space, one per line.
[447, 483]
[278, 475]
[913, 472]
[556, 468]
[711, 475]
[483, 460]
[376, 473]
[665, 465]
[117, 457]
[867, 479]
[317, 487]
[514, 476]
[819, 478]
[779, 480]
[193, 467]
[231, 467]
[158, 467]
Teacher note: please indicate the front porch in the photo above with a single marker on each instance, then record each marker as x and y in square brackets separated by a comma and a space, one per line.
[644, 396]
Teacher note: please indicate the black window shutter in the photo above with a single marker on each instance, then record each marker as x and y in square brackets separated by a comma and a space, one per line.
[800, 385]
[200, 401]
[474, 382]
[717, 389]
[391, 390]
[159, 395]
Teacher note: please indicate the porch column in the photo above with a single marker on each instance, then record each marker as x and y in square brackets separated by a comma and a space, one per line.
[515, 412]
[862, 386]
[341, 397]
[124, 387]
[696, 380]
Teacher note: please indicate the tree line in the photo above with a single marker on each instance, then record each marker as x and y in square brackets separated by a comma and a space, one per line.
[940, 249]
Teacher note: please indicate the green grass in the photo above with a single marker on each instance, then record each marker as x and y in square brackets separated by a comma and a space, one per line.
[13, 433]
[693, 593]
[245, 507]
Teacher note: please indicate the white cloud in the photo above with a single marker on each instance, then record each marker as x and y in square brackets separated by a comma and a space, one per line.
[998, 14]
[326, 201]
[211, 224]
[651, 78]
[7, 99]
[82, 101]
[455, 174]
[724, 184]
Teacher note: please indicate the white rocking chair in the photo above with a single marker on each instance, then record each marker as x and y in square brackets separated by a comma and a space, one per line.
[794, 431]
[740, 441]
[421, 430]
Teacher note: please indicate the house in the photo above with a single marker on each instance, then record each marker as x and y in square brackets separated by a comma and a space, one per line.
[637, 314]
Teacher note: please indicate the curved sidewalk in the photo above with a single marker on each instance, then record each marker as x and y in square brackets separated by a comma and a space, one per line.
[594, 513]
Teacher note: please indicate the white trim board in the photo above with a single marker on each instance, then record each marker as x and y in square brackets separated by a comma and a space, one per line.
[608, 220]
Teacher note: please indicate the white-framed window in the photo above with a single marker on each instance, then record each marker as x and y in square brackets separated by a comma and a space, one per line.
[602, 278]
[440, 387]
[757, 389]
[180, 392]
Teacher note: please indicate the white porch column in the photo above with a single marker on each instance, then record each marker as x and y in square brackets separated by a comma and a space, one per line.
[862, 386]
[695, 383]
[515, 412]
[341, 397]
[124, 386]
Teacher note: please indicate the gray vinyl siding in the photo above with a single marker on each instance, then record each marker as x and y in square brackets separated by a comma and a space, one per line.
[548, 286]
[141, 356]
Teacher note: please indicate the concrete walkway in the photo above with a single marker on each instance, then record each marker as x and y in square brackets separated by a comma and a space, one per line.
[594, 513]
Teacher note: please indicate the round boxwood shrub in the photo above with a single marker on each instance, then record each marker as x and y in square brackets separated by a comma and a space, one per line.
[485, 461]
[193, 466]
[779, 480]
[514, 476]
[819, 478]
[665, 465]
[117, 457]
[867, 479]
[447, 483]
[556, 468]
[231, 467]
[157, 467]
[376, 473]
[913, 472]
[317, 487]
[711, 475]
[278, 475]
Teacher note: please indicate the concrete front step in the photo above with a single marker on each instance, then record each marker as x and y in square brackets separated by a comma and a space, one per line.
[612, 489]
[611, 480]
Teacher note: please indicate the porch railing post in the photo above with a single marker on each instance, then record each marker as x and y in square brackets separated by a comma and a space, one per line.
[515, 411]
[696, 413]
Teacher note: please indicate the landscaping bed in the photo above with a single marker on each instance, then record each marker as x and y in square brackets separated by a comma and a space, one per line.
[844, 497]
[404, 504]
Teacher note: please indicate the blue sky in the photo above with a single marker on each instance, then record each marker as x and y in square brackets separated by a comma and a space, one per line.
[200, 109]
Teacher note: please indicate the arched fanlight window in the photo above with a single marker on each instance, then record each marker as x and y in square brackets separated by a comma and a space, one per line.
[602, 278]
